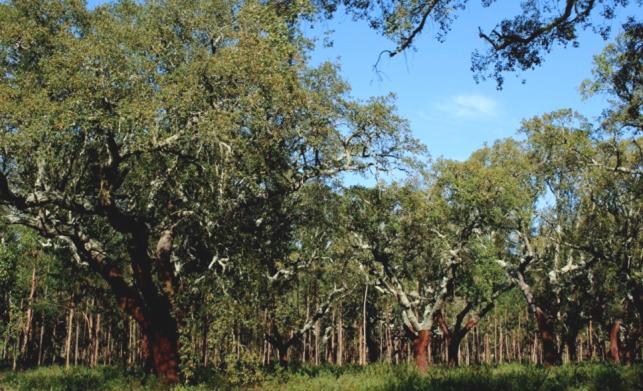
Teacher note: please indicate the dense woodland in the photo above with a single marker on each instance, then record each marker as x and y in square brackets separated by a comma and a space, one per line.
[177, 193]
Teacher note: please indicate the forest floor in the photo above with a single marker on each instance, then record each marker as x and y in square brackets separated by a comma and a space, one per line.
[372, 377]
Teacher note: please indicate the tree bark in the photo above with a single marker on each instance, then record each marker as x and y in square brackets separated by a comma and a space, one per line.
[281, 344]
[339, 360]
[96, 340]
[570, 342]
[420, 350]
[69, 334]
[282, 350]
[615, 343]
[162, 348]
[547, 337]
[28, 330]
[453, 347]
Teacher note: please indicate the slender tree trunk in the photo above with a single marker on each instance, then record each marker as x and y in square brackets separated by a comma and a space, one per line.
[76, 340]
[590, 341]
[41, 339]
[495, 337]
[420, 349]
[29, 320]
[316, 341]
[363, 347]
[96, 340]
[108, 352]
[389, 338]
[615, 343]
[205, 330]
[340, 337]
[70, 330]
[467, 350]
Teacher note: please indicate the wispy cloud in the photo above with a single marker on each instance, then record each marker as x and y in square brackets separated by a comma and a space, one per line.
[468, 106]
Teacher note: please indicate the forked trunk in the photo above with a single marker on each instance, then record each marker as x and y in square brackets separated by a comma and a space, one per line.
[420, 350]
[282, 346]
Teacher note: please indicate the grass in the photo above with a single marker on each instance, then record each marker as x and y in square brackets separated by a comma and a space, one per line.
[505, 377]
[57, 378]
[382, 377]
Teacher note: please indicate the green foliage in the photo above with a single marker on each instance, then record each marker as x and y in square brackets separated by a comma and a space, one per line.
[77, 379]
[243, 370]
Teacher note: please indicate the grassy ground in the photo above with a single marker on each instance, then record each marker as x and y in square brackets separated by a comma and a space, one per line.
[373, 377]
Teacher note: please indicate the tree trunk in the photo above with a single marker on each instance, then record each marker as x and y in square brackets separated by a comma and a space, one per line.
[570, 342]
[282, 350]
[96, 351]
[615, 343]
[339, 360]
[373, 347]
[547, 337]
[453, 346]
[161, 340]
[29, 318]
[631, 348]
[281, 344]
[70, 329]
[420, 349]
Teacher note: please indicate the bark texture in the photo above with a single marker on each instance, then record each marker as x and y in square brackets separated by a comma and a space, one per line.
[420, 350]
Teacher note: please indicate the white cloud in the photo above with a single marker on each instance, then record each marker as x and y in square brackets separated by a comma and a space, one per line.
[469, 106]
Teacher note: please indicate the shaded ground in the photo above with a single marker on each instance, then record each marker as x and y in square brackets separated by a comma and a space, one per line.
[372, 377]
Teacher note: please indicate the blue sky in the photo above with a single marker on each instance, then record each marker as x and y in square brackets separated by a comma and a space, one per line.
[434, 85]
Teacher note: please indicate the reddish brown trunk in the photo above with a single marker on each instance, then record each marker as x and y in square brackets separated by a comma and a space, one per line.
[547, 337]
[420, 349]
[615, 343]
[161, 348]
[164, 355]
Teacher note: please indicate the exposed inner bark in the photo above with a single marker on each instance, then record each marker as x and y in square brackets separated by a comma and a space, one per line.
[615, 343]
[420, 349]
[163, 350]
